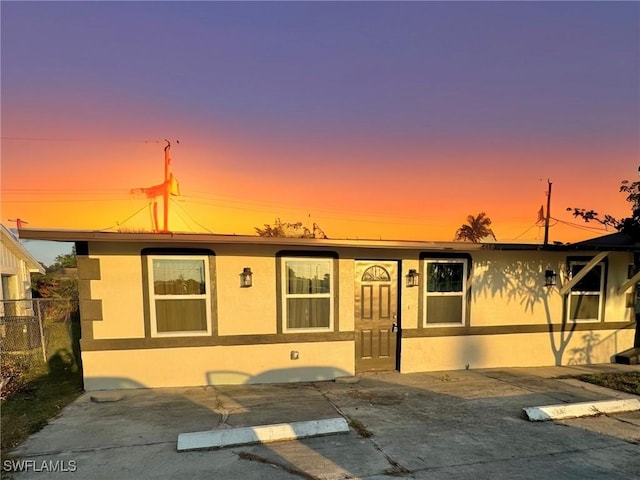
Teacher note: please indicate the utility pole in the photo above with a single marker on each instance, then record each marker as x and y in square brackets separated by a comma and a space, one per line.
[546, 219]
[165, 190]
[167, 186]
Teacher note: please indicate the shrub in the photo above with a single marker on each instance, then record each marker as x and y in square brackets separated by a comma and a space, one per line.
[13, 376]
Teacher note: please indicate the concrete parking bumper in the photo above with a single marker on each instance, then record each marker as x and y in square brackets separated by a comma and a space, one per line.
[580, 409]
[261, 434]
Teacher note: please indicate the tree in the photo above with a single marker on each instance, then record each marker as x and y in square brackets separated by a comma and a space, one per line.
[55, 283]
[478, 227]
[64, 260]
[628, 225]
[52, 285]
[286, 229]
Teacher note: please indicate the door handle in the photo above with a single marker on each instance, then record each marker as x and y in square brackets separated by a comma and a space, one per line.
[394, 325]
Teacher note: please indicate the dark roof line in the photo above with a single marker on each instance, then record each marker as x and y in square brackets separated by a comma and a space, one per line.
[175, 237]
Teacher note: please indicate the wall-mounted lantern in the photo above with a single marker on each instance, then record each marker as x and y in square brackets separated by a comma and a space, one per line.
[550, 278]
[413, 278]
[246, 278]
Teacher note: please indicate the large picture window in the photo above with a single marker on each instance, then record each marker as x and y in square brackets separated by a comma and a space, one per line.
[307, 294]
[585, 299]
[179, 295]
[445, 291]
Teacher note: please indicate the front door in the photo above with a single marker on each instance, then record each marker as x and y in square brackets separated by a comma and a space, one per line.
[376, 308]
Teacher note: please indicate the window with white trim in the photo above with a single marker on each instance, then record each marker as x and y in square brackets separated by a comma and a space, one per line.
[445, 298]
[585, 298]
[307, 294]
[179, 295]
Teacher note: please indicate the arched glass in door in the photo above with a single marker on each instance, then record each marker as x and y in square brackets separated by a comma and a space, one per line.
[376, 273]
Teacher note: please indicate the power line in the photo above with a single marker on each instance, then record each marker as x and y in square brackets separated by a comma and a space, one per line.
[581, 227]
[184, 221]
[200, 198]
[253, 207]
[39, 139]
[86, 140]
[69, 200]
[525, 232]
[119, 224]
[41, 191]
[189, 215]
[322, 212]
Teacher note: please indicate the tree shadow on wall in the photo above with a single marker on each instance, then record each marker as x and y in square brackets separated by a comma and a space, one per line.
[523, 282]
[583, 355]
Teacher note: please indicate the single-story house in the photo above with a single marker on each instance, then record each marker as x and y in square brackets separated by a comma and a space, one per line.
[178, 309]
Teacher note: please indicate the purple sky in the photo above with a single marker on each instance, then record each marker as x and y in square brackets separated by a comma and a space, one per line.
[502, 92]
[435, 70]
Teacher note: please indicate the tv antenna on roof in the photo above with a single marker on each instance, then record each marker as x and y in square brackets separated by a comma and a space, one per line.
[19, 222]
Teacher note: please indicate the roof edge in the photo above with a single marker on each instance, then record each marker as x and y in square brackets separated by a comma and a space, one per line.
[181, 237]
[33, 264]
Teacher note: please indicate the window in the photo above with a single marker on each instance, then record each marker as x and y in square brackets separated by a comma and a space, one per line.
[307, 294]
[445, 291]
[585, 300]
[179, 294]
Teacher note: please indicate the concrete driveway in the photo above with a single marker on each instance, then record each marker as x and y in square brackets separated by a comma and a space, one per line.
[459, 424]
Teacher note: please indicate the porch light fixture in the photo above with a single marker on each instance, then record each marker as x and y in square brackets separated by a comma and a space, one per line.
[246, 279]
[413, 278]
[550, 278]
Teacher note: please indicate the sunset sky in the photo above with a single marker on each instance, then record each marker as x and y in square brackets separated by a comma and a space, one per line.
[373, 119]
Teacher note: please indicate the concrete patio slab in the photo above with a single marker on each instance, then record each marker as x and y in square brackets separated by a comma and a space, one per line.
[438, 425]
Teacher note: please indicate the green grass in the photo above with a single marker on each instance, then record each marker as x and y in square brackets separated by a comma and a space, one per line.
[45, 389]
[42, 398]
[628, 382]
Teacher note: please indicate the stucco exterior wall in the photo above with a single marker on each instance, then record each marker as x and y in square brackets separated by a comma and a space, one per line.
[411, 297]
[195, 366]
[510, 311]
[120, 290]
[513, 350]
[245, 311]
[240, 311]
[618, 306]
[507, 288]
[346, 306]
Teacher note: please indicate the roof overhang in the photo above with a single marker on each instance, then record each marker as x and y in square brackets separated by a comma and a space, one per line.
[614, 242]
[211, 238]
[12, 243]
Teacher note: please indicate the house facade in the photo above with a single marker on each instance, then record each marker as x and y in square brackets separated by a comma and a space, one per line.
[168, 309]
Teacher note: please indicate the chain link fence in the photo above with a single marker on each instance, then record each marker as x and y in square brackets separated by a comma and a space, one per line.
[36, 332]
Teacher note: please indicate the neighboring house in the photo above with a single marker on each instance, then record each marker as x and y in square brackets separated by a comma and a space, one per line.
[170, 309]
[16, 266]
[18, 328]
